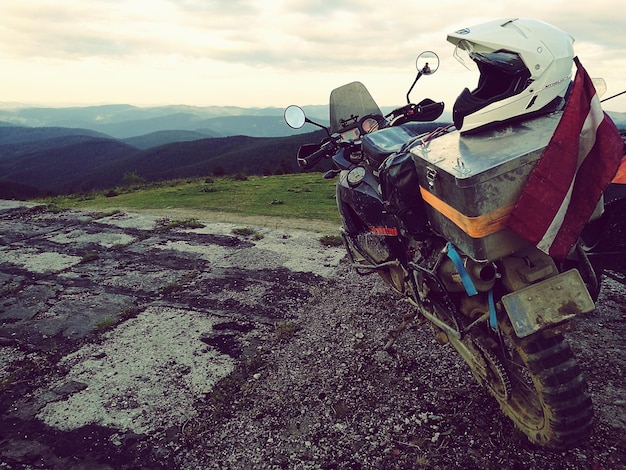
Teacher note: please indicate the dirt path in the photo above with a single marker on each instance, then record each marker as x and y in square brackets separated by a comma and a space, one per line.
[128, 342]
[268, 222]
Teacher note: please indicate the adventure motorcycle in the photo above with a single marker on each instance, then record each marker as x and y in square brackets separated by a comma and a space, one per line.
[421, 210]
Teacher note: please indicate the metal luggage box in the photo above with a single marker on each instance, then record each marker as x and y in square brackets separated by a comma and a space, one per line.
[471, 183]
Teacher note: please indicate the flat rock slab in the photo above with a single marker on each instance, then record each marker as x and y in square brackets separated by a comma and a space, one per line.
[120, 323]
[128, 341]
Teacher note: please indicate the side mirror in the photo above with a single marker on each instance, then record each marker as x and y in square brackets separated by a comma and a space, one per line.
[427, 63]
[295, 117]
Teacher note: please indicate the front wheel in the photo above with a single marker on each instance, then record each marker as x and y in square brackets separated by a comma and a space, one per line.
[539, 385]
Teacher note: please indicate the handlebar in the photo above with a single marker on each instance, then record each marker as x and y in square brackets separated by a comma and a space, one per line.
[308, 157]
[425, 111]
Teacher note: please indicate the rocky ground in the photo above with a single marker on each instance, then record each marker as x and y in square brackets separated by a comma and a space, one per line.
[134, 341]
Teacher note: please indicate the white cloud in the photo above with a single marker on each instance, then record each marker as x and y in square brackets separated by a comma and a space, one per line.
[251, 53]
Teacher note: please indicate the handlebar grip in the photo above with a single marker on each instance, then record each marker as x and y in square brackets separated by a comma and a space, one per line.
[425, 111]
[311, 160]
[308, 158]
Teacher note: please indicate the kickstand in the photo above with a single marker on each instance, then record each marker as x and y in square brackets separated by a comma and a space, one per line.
[395, 334]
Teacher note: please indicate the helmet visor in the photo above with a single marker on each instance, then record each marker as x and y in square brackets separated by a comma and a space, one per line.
[462, 53]
[507, 62]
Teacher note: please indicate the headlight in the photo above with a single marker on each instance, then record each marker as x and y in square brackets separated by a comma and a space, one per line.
[356, 175]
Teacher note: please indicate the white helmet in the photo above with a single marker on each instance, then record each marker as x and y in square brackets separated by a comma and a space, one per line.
[525, 68]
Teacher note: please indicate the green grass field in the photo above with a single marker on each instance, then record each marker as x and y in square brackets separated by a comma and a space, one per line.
[299, 196]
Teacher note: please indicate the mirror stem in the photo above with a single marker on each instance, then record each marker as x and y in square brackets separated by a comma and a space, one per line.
[408, 99]
[318, 125]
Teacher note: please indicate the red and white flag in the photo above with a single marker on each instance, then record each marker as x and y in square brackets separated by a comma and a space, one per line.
[569, 179]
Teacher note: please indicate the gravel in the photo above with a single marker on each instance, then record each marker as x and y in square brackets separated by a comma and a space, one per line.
[201, 349]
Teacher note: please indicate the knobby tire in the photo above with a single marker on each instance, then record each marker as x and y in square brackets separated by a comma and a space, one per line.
[549, 401]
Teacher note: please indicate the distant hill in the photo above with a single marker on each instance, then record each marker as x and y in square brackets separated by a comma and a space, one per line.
[158, 138]
[59, 164]
[16, 191]
[124, 121]
[13, 134]
[138, 127]
[114, 113]
[198, 158]
[253, 126]
[60, 160]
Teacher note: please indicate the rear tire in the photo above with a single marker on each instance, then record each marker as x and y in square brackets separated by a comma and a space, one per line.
[548, 398]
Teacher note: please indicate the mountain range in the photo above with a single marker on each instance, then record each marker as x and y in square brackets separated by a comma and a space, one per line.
[122, 121]
[55, 160]
[48, 151]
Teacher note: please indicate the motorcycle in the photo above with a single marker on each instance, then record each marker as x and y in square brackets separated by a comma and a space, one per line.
[503, 304]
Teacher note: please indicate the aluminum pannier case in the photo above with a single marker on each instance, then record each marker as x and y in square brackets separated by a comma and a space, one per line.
[471, 183]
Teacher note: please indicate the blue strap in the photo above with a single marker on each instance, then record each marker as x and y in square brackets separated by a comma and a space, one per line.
[454, 256]
[493, 321]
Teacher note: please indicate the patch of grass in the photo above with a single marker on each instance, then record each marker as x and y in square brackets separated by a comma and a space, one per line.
[331, 240]
[243, 231]
[303, 196]
[110, 321]
[247, 232]
[54, 208]
[89, 256]
[106, 323]
[286, 330]
[105, 214]
[130, 312]
[422, 460]
[179, 285]
[174, 224]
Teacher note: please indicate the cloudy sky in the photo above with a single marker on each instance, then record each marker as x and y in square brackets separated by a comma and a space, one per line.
[267, 53]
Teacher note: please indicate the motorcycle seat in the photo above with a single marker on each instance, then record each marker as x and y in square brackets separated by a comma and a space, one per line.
[378, 145]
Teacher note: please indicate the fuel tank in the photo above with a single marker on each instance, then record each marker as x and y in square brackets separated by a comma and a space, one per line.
[370, 227]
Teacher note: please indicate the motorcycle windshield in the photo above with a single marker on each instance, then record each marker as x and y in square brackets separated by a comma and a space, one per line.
[348, 104]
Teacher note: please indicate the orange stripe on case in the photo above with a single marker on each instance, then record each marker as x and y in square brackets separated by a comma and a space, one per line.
[476, 227]
[620, 177]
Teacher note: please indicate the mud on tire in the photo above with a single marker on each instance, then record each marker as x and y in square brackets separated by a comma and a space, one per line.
[549, 401]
